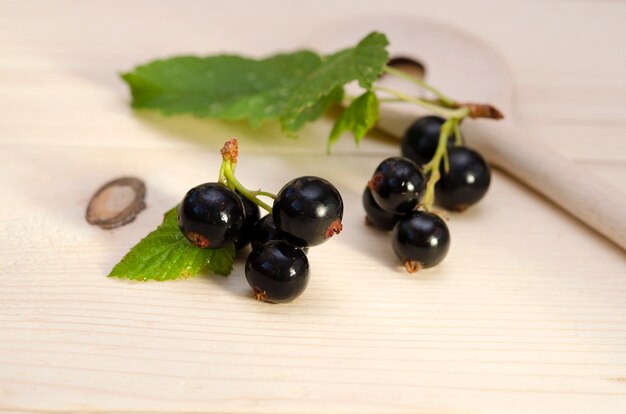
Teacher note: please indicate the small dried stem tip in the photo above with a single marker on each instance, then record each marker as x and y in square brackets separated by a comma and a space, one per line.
[260, 294]
[230, 150]
[334, 228]
[376, 180]
[198, 239]
[474, 110]
[483, 111]
[412, 266]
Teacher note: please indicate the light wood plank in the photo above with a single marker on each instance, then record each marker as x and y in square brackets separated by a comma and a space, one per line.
[364, 328]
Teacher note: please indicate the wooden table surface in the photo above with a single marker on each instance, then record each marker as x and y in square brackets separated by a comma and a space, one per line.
[527, 314]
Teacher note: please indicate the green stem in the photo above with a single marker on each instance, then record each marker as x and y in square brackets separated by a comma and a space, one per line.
[442, 98]
[432, 167]
[228, 171]
[390, 100]
[457, 135]
[429, 195]
[221, 178]
[264, 193]
[444, 112]
[446, 162]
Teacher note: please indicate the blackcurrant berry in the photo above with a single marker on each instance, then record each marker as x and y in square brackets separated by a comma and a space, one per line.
[277, 271]
[465, 183]
[397, 185]
[252, 214]
[308, 211]
[211, 215]
[375, 215]
[264, 230]
[420, 240]
[420, 140]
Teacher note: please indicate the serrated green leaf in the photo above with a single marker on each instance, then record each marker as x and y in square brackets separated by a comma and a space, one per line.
[222, 87]
[314, 112]
[166, 254]
[363, 63]
[294, 88]
[359, 117]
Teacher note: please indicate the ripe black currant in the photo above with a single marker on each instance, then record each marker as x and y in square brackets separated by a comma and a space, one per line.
[263, 231]
[375, 215]
[420, 140]
[420, 240]
[211, 215]
[277, 271]
[308, 211]
[252, 214]
[397, 185]
[465, 183]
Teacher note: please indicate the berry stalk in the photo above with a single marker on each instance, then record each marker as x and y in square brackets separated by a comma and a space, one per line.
[453, 111]
[434, 107]
[230, 153]
[457, 134]
[442, 105]
[433, 166]
[444, 100]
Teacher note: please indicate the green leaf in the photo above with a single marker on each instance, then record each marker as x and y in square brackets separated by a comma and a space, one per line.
[363, 63]
[166, 254]
[222, 87]
[314, 112]
[359, 117]
[294, 88]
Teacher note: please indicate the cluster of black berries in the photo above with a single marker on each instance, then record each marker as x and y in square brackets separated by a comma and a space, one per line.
[306, 212]
[392, 197]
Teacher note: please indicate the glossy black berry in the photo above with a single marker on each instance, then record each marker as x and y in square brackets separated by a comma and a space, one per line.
[211, 215]
[277, 271]
[252, 214]
[420, 240]
[264, 230]
[420, 140]
[397, 185]
[375, 215]
[308, 211]
[465, 183]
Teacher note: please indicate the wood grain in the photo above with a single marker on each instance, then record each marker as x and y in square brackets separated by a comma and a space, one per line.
[527, 314]
[575, 189]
